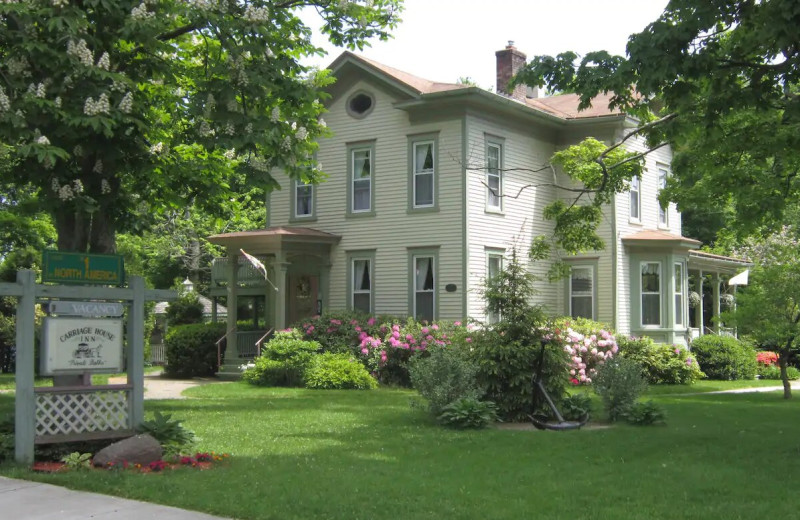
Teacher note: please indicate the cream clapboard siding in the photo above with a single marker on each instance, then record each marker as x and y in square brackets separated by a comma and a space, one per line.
[392, 230]
[521, 218]
[649, 221]
[603, 259]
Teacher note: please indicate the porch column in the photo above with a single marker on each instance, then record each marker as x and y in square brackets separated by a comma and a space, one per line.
[281, 267]
[324, 289]
[232, 350]
[698, 311]
[715, 310]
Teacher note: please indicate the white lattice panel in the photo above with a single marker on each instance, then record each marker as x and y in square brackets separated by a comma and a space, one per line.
[81, 412]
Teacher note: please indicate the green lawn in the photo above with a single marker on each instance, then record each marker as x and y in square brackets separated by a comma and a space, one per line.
[302, 454]
[7, 381]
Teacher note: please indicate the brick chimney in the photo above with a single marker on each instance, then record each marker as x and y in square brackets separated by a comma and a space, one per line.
[509, 61]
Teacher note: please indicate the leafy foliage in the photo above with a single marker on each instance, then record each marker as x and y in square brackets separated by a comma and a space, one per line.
[575, 407]
[718, 81]
[468, 413]
[191, 350]
[724, 358]
[283, 361]
[769, 308]
[186, 309]
[118, 108]
[662, 364]
[337, 371]
[444, 376]
[646, 413]
[78, 461]
[774, 372]
[169, 432]
[619, 383]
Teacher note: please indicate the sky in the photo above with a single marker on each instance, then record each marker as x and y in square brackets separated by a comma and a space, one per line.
[443, 40]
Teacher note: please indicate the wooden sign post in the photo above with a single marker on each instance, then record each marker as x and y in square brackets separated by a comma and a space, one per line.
[61, 414]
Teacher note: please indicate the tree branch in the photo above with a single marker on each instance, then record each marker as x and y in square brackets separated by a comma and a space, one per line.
[638, 131]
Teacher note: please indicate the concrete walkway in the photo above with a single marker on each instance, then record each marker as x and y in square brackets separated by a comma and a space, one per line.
[156, 387]
[24, 500]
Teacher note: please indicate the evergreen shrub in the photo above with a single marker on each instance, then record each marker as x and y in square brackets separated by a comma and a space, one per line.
[191, 350]
[724, 358]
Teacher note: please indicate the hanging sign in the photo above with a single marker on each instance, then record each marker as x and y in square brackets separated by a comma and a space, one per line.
[61, 267]
[80, 345]
[89, 309]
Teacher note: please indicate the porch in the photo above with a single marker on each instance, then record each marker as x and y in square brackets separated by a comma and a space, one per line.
[287, 280]
[712, 291]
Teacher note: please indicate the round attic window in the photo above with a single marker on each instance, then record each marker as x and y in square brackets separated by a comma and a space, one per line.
[360, 104]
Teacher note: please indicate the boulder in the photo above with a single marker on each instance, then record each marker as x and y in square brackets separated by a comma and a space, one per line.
[141, 449]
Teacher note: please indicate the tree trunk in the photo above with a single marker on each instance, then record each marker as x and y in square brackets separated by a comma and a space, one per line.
[783, 362]
[85, 232]
[72, 228]
[102, 238]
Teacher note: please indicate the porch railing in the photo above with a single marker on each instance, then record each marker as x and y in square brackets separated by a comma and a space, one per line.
[246, 273]
[248, 342]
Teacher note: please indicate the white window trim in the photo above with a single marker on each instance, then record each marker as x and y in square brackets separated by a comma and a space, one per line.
[638, 191]
[297, 185]
[679, 291]
[418, 291]
[499, 175]
[642, 293]
[500, 256]
[431, 173]
[591, 292]
[663, 173]
[353, 290]
[353, 179]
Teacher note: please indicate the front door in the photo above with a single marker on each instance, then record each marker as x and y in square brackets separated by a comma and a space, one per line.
[303, 293]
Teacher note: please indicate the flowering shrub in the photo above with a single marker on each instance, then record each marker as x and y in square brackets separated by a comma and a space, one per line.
[766, 358]
[587, 349]
[661, 363]
[383, 343]
[337, 371]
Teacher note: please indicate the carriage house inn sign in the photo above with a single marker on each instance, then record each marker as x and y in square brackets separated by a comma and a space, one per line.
[77, 345]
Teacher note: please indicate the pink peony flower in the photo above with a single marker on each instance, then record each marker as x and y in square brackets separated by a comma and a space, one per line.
[409, 337]
[336, 322]
[424, 330]
[457, 323]
[365, 351]
[435, 327]
[371, 322]
[468, 340]
[572, 372]
[358, 329]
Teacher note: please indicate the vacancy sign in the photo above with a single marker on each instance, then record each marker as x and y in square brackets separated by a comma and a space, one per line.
[77, 345]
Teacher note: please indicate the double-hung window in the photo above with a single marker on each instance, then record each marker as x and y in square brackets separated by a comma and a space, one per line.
[494, 266]
[362, 175]
[362, 284]
[678, 294]
[662, 211]
[494, 176]
[581, 292]
[303, 200]
[635, 197]
[423, 166]
[424, 269]
[651, 293]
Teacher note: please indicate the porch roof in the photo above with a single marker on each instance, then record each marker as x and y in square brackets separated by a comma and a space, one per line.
[272, 238]
[658, 238]
[716, 263]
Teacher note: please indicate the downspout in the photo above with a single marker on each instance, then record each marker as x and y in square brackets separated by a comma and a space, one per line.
[464, 222]
[614, 262]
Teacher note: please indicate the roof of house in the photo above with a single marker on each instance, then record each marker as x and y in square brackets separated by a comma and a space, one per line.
[711, 256]
[275, 231]
[562, 106]
[657, 237]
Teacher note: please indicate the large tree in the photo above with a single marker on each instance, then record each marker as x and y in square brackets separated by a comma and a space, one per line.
[768, 309]
[718, 80]
[119, 108]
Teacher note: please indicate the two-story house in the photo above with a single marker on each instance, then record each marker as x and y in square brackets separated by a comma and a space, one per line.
[430, 187]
